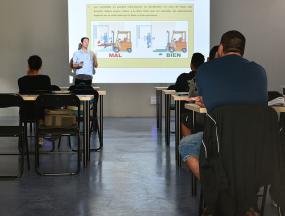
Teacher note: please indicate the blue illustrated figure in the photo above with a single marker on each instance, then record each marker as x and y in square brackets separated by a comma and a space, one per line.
[148, 40]
[105, 38]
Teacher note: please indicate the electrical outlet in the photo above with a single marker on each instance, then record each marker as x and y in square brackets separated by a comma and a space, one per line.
[153, 100]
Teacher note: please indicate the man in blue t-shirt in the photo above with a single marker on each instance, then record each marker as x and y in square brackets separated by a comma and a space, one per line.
[227, 80]
[84, 63]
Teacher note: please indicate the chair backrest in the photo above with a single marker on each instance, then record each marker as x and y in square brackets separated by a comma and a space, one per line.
[86, 90]
[57, 100]
[52, 105]
[83, 89]
[10, 100]
[240, 153]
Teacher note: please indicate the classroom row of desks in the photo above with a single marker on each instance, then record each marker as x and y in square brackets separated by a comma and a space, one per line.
[86, 100]
[178, 99]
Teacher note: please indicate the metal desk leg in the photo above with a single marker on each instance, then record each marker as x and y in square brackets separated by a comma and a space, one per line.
[159, 109]
[86, 132]
[167, 119]
[100, 126]
[101, 121]
[194, 180]
[177, 132]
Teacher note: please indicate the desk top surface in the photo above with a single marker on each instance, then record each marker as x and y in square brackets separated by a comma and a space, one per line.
[161, 88]
[165, 91]
[81, 97]
[65, 88]
[34, 97]
[279, 108]
[180, 97]
[196, 108]
[100, 92]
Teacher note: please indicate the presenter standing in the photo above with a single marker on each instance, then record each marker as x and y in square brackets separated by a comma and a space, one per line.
[84, 63]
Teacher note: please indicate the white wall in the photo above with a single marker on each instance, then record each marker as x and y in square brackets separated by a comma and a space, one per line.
[261, 21]
[40, 27]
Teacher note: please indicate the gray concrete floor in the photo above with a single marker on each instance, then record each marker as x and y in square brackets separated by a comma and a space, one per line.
[134, 175]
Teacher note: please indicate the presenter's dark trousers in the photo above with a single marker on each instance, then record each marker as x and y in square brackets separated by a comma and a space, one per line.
[82, 78]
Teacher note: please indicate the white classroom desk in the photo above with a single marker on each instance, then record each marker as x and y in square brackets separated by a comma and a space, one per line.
[158, 92]
[86, 99]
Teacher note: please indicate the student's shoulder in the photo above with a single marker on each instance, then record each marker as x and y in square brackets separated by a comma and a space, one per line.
[22, 77]
[256, 66]
[210, 64]
[43, 78]
[26, 78]
[206, 67]
[184, 75]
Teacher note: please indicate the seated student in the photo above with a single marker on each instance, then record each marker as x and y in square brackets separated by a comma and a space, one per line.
[187, 122]
[227, 80]
[213, 53]
[181, 84]
[33, 81]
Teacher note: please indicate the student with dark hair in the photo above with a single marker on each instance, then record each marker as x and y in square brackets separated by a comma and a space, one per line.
[181, 84]
[213, 53]
[227, 80]
[187, 122]
[84, 63]
[34, 81]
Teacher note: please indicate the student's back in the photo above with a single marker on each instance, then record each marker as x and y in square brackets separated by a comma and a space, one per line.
[232, 80]
[33, 83]
[181, 84]
[30, 84]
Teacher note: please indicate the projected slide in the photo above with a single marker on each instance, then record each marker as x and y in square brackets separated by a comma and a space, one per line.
[133, 36]
[140, 39]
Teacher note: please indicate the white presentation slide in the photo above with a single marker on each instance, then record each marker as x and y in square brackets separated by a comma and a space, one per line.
[140, 42]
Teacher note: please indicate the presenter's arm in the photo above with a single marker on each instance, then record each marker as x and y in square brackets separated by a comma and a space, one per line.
[75, 65]
[95, 60]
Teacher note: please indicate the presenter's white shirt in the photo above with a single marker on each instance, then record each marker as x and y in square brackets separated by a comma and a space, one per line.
[87, 59]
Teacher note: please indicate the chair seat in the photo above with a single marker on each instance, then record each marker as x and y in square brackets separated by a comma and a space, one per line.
[6, 131]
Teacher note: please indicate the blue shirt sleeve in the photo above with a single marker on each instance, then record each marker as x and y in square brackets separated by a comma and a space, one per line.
[75, 58]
